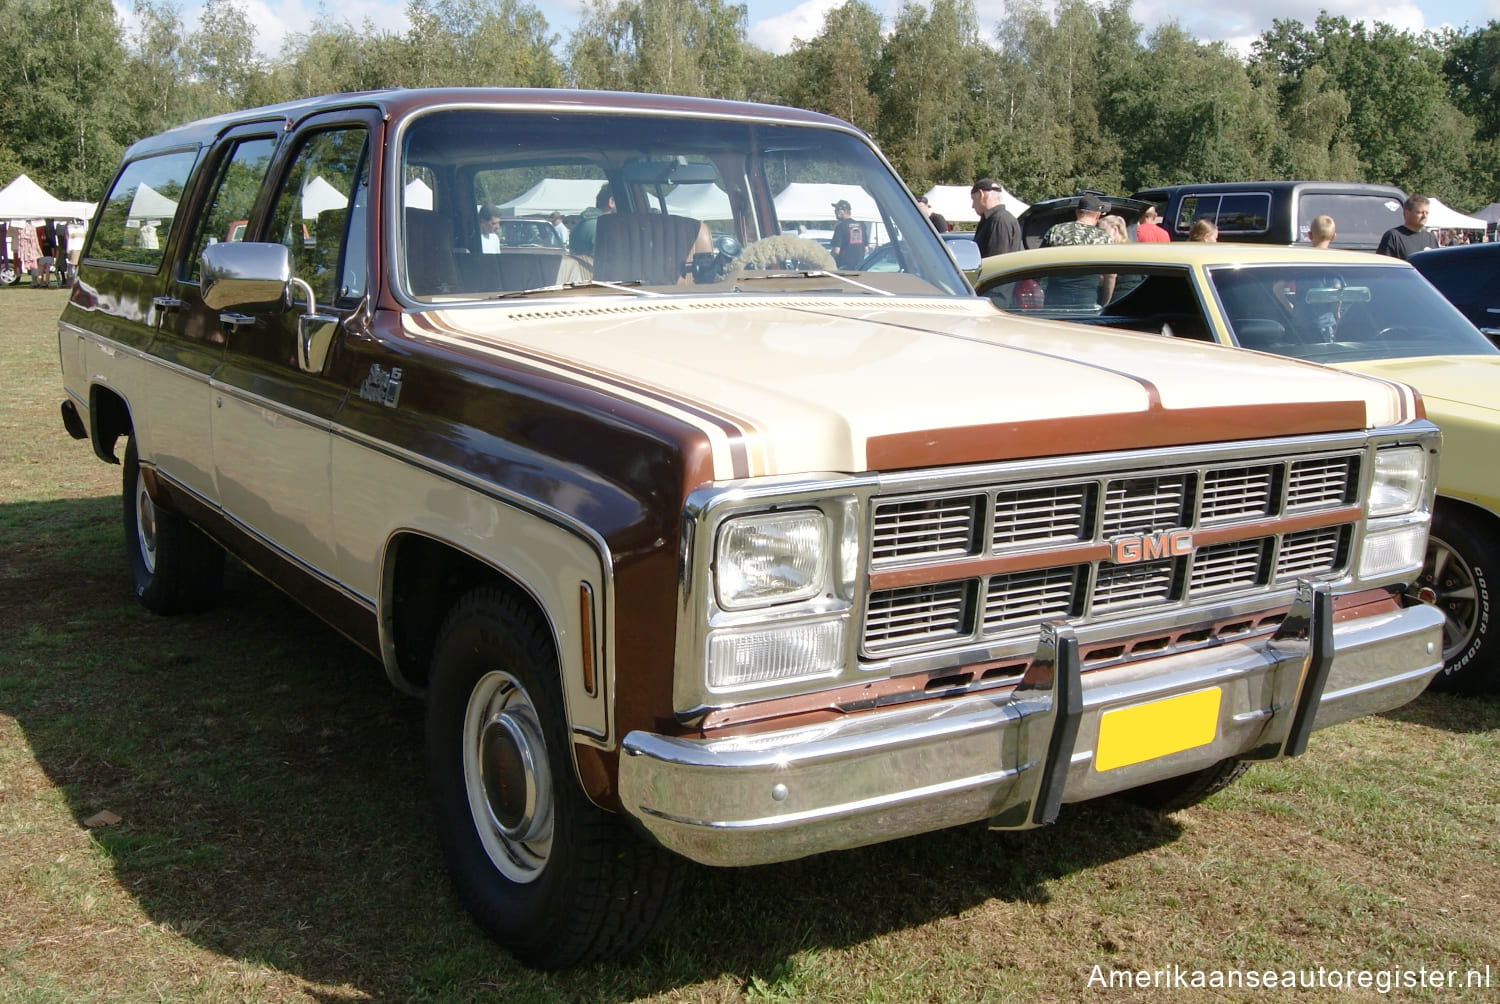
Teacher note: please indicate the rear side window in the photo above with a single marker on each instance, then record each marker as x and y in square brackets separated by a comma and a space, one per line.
[1235, 213]
[142, 209]
[1245, 213]
[1359, 219]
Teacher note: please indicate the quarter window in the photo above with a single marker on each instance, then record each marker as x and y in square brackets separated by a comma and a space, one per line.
[141, 210]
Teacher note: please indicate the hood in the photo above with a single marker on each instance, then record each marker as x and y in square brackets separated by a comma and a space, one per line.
[1470, 381]
[783, 385]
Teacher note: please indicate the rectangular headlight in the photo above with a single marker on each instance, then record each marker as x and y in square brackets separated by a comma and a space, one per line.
[772, 557]
[1400, 474]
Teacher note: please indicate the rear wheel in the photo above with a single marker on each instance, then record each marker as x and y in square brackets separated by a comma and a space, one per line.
[1461, 564]
[1176, 793]
[546, 873]
[176, 567]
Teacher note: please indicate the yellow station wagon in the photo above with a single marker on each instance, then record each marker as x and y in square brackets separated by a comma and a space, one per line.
[1348, 309]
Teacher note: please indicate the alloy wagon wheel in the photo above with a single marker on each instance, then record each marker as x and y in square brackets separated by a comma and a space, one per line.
[506, 777]
[1451, 579]
[145, 525]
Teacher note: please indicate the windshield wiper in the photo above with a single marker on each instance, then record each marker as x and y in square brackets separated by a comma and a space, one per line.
[567, 288]
[809, 274]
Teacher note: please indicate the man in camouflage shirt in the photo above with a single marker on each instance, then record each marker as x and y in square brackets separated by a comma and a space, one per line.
[1085, 291]
[1084, 229]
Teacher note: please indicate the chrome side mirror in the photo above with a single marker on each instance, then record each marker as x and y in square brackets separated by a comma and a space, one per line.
[248, 274]
[245, 274]
[965, 254]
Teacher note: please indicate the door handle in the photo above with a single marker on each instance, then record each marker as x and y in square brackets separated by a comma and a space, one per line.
[160, 305]
[235, 320]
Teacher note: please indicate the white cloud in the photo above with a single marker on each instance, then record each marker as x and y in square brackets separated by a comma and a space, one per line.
[776, 34]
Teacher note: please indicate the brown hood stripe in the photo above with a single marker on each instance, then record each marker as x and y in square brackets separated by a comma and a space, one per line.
[736, 430]
[1155, 427]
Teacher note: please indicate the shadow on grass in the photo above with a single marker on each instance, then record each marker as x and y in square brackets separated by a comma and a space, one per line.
[1451, 712]
[274, 811]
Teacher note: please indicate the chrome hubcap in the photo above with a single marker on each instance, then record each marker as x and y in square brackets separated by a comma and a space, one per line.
[1451, 581]
[506, 776]
[145, 524]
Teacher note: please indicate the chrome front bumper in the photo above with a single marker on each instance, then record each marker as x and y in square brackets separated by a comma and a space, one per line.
[1014, 758]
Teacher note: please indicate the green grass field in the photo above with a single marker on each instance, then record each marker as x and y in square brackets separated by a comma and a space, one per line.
[274, 841]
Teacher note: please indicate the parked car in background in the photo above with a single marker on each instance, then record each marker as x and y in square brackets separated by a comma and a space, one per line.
[1279, 212]
[1040, 217]
[1469, 276]
[1351, 310]
[890, 257]
[529, 233]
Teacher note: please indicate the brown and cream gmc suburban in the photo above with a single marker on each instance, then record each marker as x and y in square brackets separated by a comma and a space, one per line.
[698, 545]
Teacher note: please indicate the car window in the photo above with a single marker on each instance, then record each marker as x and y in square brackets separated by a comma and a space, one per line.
[328, 178]
[1066, 293]
[1360, 219]
[672, 204]
[1193, 208]
[141, 209]
[1244, 213]
[1156, 299]
[231, 198]
[1342, 313]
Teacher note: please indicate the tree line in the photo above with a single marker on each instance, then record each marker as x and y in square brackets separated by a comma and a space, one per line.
[1048, 100]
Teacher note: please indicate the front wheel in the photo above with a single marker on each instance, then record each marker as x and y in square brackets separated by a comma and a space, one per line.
[1176, 793]
[546, 873]
[1461, 564]
[8, 274]
[176, 567]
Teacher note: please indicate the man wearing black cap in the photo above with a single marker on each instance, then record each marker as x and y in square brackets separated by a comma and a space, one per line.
[998, 231]
[849, 242]
[1083, 291]
[1083, 229]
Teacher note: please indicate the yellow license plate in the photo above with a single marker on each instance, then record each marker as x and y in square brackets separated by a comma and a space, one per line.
[1148, 731]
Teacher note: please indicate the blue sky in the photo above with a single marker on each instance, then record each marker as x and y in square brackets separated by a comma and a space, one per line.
[774, 24]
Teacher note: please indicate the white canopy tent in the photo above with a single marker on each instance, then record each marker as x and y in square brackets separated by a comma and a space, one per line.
[703, 202]
[418, 194]
[24, 199]
[568, 196]
[953, 202]
[318, 195]
[814, 203]
[150, 204]
[1440, 217]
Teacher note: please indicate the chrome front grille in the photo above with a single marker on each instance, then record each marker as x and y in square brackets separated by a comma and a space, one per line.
[1032, 597]
[920, 614]
[1053, 514]
[1141, 505]
[1322, 481]
[1312, 552]
[925, 528]
[983, 562]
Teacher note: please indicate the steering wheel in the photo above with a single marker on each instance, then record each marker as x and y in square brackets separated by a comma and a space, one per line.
[783, 251]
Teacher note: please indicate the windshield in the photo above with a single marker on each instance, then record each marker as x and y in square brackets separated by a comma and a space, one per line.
[498, 203]
[1342, 313]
